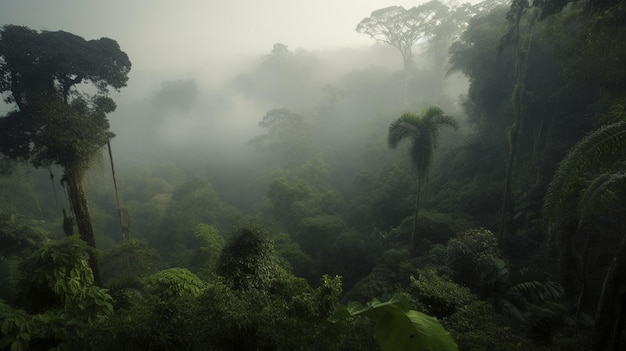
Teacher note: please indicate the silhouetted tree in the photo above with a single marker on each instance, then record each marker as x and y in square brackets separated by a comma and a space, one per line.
[402, 28]
[432, 24]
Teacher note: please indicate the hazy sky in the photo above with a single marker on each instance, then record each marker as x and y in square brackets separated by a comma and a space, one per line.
[210, 42]
[160, 34]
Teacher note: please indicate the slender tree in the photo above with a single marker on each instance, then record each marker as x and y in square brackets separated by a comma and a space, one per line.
[54, 120]
[423, 131]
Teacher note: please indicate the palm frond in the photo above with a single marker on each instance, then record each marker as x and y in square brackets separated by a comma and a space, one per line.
[423, 130]
[538, 292]
[434, 119]
[535, 286]
[431, 111]
[445, 121]
[434, 116]
[591, 152]
[599, 187]
[404, 127]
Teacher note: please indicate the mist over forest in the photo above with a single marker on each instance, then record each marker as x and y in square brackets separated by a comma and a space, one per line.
[205, 123]
[456, 183]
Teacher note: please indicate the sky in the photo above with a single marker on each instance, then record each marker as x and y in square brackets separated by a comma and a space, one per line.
[168, 34]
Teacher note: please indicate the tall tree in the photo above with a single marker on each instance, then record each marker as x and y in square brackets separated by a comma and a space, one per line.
[520, 37]
[423, 131]
[433, 24]
[402, 28]
[58, 84]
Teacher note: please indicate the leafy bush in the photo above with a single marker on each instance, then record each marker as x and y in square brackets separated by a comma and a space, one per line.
[209, 245]
[382, 281]
[292, 257]
[317, 233]
[294, 318]
[17, 234]
[437, 295]
[57, 298]
[247, 261]
[477, 327]
[350, 257]
[474, 257]
[129, 259]
[437, 256]
[174, 283]
[438, 228]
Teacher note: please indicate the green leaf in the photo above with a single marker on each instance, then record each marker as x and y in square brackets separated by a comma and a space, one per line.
[6, 326]
[400, 328]
[430, 334]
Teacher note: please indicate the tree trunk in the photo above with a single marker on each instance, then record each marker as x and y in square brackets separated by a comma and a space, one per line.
[78, 200]
[407, 62]
[522, 49]
[405, 96]
[583, 274]
[506, 196]
[414, 243]
[123, 227]
[607, 316]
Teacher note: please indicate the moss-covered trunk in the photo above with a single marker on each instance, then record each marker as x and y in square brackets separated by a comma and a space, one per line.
[523, 43]
[74, 177]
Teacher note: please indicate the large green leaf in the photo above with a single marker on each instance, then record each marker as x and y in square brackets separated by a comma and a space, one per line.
[398, 328]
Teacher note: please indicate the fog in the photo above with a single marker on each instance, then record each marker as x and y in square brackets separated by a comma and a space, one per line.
[272, 165]
[174, 35]
[204, 74]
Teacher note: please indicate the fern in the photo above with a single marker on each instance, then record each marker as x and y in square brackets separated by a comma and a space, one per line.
[595, 151]
[537, 291]
[535, 286]
[599, 189]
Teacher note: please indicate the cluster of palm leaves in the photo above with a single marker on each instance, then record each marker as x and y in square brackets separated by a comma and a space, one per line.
[590, 180]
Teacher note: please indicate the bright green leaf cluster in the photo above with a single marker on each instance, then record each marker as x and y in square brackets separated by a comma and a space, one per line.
[174, 282]
[399, 328]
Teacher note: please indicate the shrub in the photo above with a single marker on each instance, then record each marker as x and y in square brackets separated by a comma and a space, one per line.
[474, 257]
[247, 261]
[477, 327]
[437, 295]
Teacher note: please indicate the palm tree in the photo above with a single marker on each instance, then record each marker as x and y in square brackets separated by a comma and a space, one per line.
[423, 131]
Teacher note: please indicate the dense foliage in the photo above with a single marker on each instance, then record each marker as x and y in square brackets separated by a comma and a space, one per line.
[516, 242]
